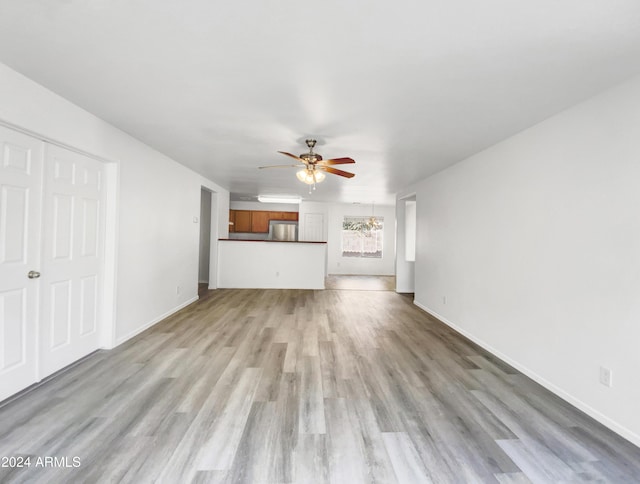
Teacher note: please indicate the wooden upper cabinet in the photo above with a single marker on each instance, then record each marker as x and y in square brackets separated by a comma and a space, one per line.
[242, 221]
[256, 221]
[260, 221]
[284, 216]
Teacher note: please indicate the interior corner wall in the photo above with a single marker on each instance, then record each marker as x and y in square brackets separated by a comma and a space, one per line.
[532, 249]
[157, 247]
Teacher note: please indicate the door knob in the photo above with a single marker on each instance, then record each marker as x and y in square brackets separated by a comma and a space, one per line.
[33, 274]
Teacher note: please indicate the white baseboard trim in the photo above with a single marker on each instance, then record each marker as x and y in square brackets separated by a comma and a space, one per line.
[404, 290]
[137, 331]
[603, 419]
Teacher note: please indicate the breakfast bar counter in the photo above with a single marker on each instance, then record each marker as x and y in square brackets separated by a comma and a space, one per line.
[271, 264]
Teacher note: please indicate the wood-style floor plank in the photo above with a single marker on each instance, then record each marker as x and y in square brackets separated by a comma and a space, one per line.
[293, 386]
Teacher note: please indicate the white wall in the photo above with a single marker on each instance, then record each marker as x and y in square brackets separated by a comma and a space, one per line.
[535, 243]
[157, 247]
[267, 207]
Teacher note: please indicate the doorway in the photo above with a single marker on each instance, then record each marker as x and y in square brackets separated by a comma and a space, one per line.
[406, 237]
[204, 258]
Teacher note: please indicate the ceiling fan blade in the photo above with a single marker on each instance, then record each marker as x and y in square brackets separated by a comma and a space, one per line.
[293, 156]
[335, 171]
[282, 166]
[337, 161]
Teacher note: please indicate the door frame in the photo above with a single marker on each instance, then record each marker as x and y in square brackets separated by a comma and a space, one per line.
[204, 240]
[107, 318]
[213, 238]
[405, 270]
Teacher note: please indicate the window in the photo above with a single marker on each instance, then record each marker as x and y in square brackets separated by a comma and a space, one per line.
[362, 237]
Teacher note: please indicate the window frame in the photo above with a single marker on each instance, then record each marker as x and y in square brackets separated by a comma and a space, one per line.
[365, 229]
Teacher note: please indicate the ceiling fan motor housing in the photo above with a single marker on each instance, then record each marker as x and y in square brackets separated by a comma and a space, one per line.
[311, 157]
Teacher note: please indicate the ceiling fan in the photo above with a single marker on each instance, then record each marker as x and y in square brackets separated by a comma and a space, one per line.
[314, 167]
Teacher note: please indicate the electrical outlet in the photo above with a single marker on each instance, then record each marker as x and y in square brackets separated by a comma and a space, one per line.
[444, 299]
[606, 376]
[178, 290]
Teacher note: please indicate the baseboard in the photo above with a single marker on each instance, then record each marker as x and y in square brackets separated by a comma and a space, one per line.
[392, 274]
[595, 414]
[137, 331]
[405, 290]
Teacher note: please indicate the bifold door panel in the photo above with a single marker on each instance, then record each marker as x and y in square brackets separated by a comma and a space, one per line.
[20, 192]
[51, 258]
[72, 233]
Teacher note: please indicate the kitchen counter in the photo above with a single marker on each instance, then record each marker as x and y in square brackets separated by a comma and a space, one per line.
[271, 264]
[283, 241]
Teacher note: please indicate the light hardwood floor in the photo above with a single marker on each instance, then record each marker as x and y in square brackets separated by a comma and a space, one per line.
[305, 386]
[360, 283]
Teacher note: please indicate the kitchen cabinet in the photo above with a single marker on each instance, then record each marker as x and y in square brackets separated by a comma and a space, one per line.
[256, 221]
[242, 221]
[260, 222]
[291, 216]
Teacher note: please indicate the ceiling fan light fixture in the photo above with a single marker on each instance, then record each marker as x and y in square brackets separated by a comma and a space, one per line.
[320, 176]
[307, 176]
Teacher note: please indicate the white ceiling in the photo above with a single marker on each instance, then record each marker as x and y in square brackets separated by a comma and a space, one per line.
[405, 87]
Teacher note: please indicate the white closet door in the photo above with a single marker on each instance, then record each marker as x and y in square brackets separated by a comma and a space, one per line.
[72, 258]
[20, 191]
